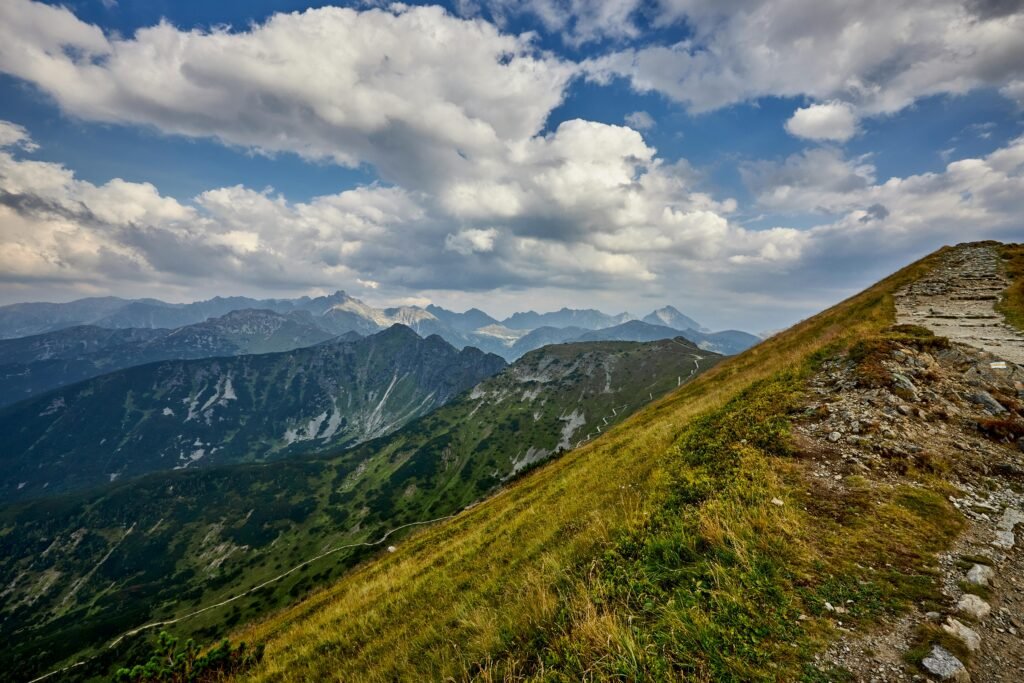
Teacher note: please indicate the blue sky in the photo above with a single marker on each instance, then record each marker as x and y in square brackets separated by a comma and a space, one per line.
[749, 162]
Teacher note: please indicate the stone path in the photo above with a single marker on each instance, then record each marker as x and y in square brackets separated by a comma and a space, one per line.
[957, 301]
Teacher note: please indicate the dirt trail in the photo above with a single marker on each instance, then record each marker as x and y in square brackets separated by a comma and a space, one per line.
[957, 301]
[962, 408]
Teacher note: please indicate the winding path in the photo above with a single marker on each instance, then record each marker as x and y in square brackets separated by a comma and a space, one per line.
[957, 301]
[231, 599]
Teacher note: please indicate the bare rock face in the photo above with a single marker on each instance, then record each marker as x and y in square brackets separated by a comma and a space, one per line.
[943, 665]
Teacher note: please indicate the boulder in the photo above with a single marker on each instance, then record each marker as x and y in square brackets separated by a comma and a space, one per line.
[901, 381]
[941, 663]
[965, 634]
[980, 575]
[985, 400]
[973, 606]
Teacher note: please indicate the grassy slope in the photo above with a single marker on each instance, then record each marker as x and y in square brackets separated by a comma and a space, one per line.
[1012, 304]
[653, 552]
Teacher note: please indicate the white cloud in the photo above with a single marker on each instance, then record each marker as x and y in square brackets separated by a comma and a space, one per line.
[815, 180]
[578, 21]
[13, 135]
[591, 207]
[833, 121]
[415, 92]
[878, 56]
[477, 194]
[970, 198]
[1014, 90]
[640, 120]
[471, 241]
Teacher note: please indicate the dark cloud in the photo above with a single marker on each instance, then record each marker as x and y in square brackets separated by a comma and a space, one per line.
[994, 9]
[875, 212]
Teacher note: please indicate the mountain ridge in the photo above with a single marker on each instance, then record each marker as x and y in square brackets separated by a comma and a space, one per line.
[340, 313]
[187, 413]
[38, 363]
[717, 551]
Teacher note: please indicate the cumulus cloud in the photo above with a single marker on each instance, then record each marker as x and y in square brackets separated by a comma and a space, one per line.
[414, 91]
[471, 241]
[971, 197]
[577, 21]
[878, 56]
[833, 121]
[586, 206]
[477, 191]
[631, 226]
[1014, 90]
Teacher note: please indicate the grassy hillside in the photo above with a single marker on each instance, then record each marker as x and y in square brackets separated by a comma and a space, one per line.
[654, 552]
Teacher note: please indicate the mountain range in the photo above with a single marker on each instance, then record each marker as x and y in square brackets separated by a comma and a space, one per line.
[37, 363]
[45, 346]
[189, 413]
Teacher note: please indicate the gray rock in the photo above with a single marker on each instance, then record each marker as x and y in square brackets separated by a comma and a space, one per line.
[941, 663]
[973, 606]
[980, 575]
[985, 400]
[901, 381]
[834, 436]
[1005, 538]
[963, 633]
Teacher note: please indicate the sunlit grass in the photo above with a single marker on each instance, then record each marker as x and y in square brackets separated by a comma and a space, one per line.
[652, 553]
[1012, 303]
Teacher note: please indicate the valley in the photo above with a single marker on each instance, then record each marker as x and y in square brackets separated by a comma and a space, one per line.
[83, 568]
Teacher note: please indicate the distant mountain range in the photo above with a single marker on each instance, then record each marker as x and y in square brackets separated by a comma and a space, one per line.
[189, 413]
[34, 364]
[339, 314]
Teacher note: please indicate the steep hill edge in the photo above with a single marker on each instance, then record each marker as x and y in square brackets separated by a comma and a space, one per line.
[521, 586]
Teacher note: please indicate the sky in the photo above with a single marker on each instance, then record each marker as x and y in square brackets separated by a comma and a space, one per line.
[747, 161]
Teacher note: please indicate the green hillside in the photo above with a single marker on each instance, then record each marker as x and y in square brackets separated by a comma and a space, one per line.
[655, 552]
[80, 570]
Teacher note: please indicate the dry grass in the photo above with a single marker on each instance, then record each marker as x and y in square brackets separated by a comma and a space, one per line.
[1012, 303]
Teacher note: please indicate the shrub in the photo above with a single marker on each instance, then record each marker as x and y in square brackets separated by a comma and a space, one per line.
[189, 664]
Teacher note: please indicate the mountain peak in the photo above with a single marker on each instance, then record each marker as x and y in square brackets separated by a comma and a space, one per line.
[670, 316]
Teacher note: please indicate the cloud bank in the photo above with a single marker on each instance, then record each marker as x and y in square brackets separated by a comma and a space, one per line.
[477, 191]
